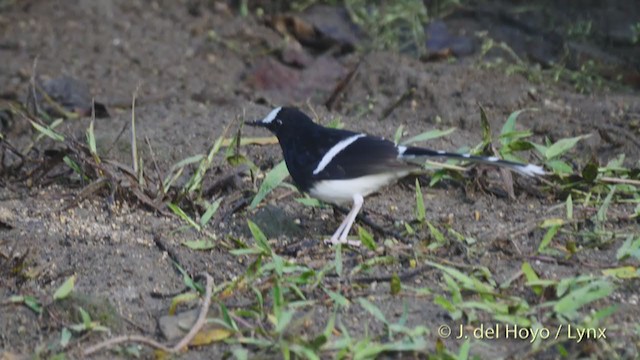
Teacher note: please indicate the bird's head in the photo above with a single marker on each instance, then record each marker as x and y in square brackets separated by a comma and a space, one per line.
[283, 120]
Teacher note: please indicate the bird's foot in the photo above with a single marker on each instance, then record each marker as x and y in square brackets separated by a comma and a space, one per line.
[332, 241]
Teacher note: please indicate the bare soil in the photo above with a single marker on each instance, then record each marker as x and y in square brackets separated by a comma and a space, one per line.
[191, 69]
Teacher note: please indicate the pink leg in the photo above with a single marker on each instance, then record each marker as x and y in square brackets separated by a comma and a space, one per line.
[340, 236]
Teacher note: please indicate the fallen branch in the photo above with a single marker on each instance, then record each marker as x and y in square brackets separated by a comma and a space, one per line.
[619, 181]
[197, 326]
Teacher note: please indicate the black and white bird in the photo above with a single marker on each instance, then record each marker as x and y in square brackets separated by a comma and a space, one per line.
[341, 166]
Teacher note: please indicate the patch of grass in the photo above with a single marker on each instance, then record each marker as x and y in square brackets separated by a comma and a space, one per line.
[396, 25]
[585, 78]
[286, 303]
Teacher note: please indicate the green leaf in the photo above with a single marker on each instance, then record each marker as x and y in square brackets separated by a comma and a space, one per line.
[454, 312]
[366, 238]
[227, 319]
[372, 309]
[195, 181]
[47, 131]
[65, 289]
[630, 247]
[283, 320]
[428, 135]
[259, 237]
[181, 299]
[278, 264]
[421, 212]
[86, 318]
[463, 353]
[337, 298]
[184, 162]
[278, 300]
[437, 235]
[409, 229]
[509, 126]
[624, 272]
[65, 337]
[601, 215]
[211, 210]
[274, 177]
[559, 166]
[547, 223]
[486, 128]
[336, 123]
[306, 201]
[438, 176]
[466, 281]
[202, 244]
[531, 276]
[240, 353]
[518, 145]
[569, 203]
[183, 215]
[398, 134]
[582, 296]
[395, 284]
[91, 140]
[540, 148]
[454, 288]
[548, 236]
[249, 251]
[28, 301]
[590, 171]
[75, 167]
[562, 146]
[188, 281]
[303, 352]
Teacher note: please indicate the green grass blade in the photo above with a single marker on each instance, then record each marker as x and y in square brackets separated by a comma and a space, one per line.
[181, 214]
[398, 135]
[421, 212]
[582, 296]
[274, 177]
[202, 244]
[47, 131]
[562, 146]
[259, 237]
[372, 309]
[91, 140]
[428, 135]
[196, 180]
[601, 216]
[509, 126]
[65, 289]
[211, 210]
[366, 238]
[548, 236]
[486, 129]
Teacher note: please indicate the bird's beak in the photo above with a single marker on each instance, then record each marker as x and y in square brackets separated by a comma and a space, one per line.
[255, 123]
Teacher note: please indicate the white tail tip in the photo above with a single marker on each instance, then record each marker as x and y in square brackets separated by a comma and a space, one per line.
[531, 170]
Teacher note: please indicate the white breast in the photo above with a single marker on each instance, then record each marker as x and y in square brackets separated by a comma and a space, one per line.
[342, 191]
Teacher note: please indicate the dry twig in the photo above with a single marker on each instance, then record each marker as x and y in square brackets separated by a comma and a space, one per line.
[200, 322]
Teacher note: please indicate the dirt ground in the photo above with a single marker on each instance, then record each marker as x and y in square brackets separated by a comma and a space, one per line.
[200, 68]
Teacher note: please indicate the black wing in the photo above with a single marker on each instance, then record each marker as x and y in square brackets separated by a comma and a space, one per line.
[367, 155]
